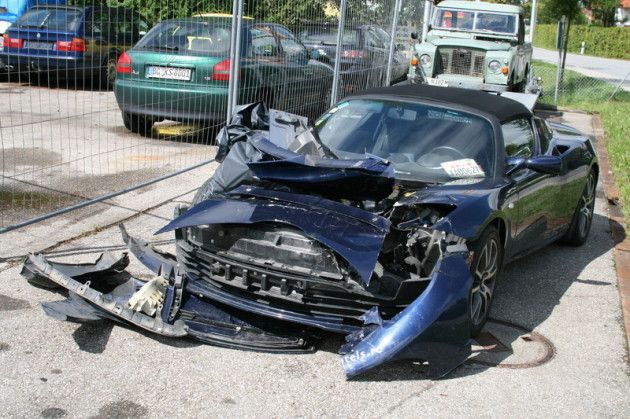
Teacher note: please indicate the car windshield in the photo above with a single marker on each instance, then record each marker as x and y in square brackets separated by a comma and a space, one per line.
[501, 23]
[328, 36]
[53, 19]
[425, 143]
[187, 38]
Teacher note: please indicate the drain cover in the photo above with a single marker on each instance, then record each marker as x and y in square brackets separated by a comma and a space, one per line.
[507, 345]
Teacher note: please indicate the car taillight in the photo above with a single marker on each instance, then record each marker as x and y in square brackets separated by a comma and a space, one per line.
[124, 64]
[221, 71]
[12, 42]
[353, 53]
[76, 45]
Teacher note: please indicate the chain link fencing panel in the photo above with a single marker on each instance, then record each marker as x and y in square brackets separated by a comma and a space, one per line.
[104, 96]
[576, 87]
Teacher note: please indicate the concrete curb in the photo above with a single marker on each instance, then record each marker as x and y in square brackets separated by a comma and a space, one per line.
[621, 252]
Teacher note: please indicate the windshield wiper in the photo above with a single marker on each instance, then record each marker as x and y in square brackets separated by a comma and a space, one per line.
[40, 26]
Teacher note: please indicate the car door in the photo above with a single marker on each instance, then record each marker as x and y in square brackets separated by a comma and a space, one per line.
[301, 88]
[98, 42]
[570, 182]
[263, 72]
[535, 206]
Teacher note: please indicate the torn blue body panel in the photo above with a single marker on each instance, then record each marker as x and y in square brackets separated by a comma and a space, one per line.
[356, 235]
[103, 298]
[432, 328]
[369, 178]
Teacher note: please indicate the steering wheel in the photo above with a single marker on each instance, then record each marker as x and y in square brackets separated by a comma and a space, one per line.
[450, 150]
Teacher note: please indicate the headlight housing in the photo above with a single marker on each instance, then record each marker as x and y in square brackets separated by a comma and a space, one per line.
[425, 59]
[494, 66]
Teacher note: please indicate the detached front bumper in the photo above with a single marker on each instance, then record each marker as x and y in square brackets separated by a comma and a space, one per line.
[434, 328]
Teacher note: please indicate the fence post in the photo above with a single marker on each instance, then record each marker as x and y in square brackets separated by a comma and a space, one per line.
[532, 21]
[426, 17]
[559, 44]
[619, 86]
[392, 43]
[230, 105]
[237, 53]
[337, 67]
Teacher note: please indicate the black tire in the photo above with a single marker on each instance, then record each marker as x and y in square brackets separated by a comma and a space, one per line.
[485, 268]
[138, 124]
[582, 219]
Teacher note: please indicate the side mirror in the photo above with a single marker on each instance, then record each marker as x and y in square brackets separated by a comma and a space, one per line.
[414, 35]
[551, 165]
[314, 54]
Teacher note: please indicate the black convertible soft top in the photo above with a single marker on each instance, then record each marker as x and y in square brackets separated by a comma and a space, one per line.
[503, 109]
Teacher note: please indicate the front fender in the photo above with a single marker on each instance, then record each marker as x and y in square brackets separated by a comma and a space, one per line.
[433, 328]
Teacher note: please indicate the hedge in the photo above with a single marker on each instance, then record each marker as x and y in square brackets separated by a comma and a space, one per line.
[600, 41]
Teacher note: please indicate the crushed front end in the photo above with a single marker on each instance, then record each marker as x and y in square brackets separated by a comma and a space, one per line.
[284, 242]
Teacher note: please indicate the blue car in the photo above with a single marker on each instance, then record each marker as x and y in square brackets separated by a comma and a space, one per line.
[81, 42]
[388, 222]
[11, 10]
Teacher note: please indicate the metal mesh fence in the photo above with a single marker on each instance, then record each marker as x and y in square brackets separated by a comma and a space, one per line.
[104, 95]
[575, 87]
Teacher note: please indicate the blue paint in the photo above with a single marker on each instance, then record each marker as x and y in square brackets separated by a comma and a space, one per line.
[437, 318]
[355, 240]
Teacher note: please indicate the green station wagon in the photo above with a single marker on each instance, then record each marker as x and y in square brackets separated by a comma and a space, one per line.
[180, 71]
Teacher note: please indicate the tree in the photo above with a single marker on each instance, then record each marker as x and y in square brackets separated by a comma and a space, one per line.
[572, 9]
[604, 10]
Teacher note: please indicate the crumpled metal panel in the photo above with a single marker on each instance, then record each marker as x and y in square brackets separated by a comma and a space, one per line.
[369, 178]
[433, 328]
[106, 265]
[281, 148]
[357, 241]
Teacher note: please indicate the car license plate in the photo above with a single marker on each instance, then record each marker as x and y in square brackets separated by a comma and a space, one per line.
[39, 45]
[172, 73]
[437, 82]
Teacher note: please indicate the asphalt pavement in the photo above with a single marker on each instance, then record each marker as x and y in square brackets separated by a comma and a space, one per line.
[607, 69]
[555, 346]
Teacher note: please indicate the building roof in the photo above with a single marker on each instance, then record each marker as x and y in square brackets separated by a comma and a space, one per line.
[503, 109]
[481, 6]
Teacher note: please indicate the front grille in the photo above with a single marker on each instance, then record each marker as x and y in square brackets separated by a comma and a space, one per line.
[461, 61]
[288, 290]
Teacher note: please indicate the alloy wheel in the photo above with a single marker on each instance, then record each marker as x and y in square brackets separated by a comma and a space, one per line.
[587, 206]
[484, 280]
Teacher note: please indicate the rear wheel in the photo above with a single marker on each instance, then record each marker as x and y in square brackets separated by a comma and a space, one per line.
[583, 216]
[138, 124]
[485, 266]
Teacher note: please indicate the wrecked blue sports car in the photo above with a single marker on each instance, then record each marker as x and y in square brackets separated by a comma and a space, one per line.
[388, 221]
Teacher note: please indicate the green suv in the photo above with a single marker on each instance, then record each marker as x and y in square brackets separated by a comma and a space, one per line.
[474, 45]
[180, 71]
